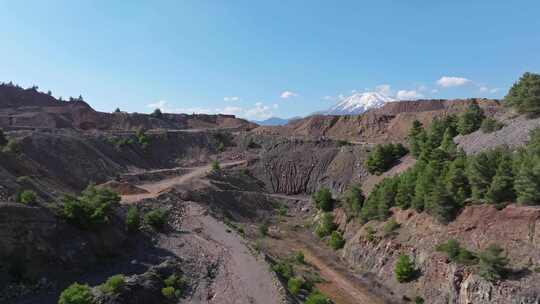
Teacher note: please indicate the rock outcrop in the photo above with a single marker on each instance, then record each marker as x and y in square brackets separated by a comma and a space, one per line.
[439, 281]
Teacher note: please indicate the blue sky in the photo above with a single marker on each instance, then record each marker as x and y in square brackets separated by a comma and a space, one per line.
[266, 58]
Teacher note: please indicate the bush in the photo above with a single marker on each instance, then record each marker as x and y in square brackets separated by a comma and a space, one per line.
[336, 240]
[492, 263]
[142, 138]
[156, 218]
[214, 166]
[294, 285]
[404, 269]
[524, 95]
[76, 294]
[263, 228]
[470, 120]
[317, 298]
[353, 201]
[133, 219]
[168, 292]
[221, 147]
[92, 208]
[157, 113]
[370, 233]
[26, 197]
[418, 300]
[490, 125]
[323, 200]
[299, 257]
[283, 269]
[456, 253]
[325, 225]
[390, 226]
[384, 157]
[12, 146]
[113, 284]
[342, 143]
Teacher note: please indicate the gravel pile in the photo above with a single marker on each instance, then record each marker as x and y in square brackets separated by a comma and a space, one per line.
[514, 134]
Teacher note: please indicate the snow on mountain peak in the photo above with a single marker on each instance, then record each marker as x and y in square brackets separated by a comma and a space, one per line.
[359, 103]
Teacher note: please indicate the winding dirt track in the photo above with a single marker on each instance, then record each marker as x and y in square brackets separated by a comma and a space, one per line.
[155, 188]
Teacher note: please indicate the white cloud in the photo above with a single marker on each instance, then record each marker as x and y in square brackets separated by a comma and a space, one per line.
[231, 98]
[288, 94]
[485, 89]
[408, 95]
[260, 111]
[384, 89]
[160, 104]
[328, 98]
[450, 81]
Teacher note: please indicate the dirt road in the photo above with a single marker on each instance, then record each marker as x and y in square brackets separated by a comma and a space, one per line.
[155, 188]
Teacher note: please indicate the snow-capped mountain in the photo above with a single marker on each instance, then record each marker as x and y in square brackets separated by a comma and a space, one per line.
[358, 103]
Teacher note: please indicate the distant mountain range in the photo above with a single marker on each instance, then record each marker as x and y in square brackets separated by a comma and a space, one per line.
[358, 103]
[274, 121]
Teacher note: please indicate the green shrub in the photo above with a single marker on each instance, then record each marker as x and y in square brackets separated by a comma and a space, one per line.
[156, 218]
[299, 257]
[370, 233]
[524, 95]
[384, 157]
[27, 197]
[390, 226]
[490, 125]
[404, 269]
[12, 146]
[336, 241]
[92, 208]
[283, 269]
[221, 147]
[456, 253]
[177, 282]
[133, 219]
[325, 226]
[294, 285]
[418, 300]
[263, 228]
[470, 120]
[317, 298]
[323, 200]
[492, 263]
[214, 166]
[342, 143]
[353, 201]
[142, 138]
[157, 113]
[76, 294]
[113, 284]
[168, 292]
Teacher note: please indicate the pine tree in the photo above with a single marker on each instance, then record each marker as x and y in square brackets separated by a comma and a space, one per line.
[527, 183]
[405, 189]
[424, 184]
[447, 144]
[470, 120]
[440, 203]
[414, 138]
[502, 185]
[524, 95]
[387, 197]
[457, 183]
[480, 173]
[404, 269]
[353, 201]
[493, 263]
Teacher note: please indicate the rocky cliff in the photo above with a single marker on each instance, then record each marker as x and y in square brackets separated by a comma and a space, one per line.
[515, 228]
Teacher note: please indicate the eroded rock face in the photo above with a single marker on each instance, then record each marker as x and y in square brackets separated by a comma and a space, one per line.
[297, 166]
[514, 228]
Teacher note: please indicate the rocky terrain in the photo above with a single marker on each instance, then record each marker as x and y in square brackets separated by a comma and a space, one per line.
[231, 209]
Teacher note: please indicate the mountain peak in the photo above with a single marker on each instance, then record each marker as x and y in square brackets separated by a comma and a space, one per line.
[359, 103]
